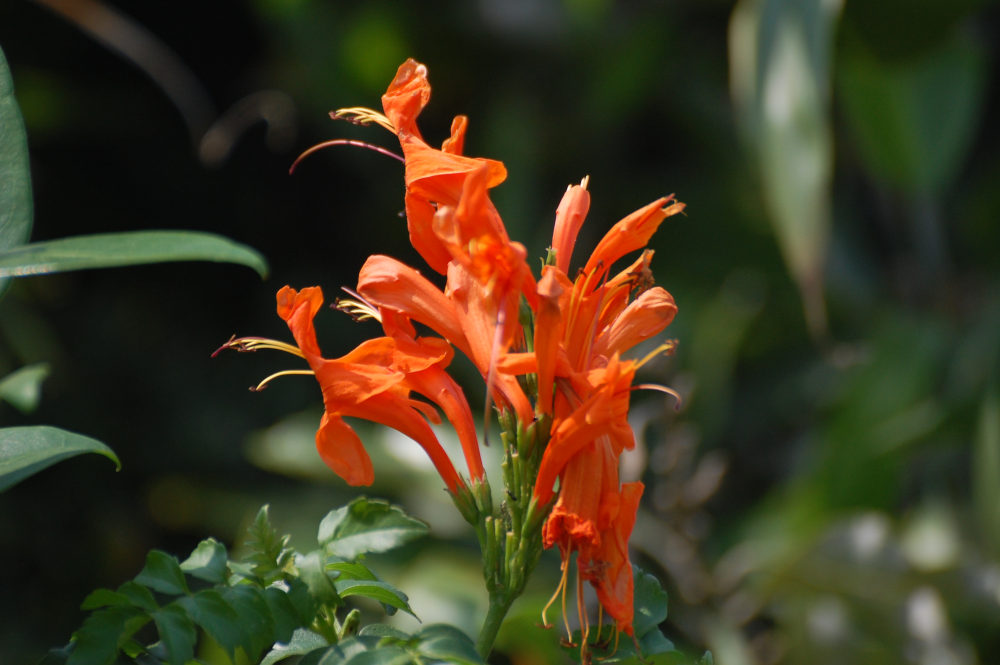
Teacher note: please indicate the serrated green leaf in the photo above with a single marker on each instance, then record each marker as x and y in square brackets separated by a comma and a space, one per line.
[112, 250]
[351, 571]
[380, 591]
[649, 602]
[162, 573]
[22, 388]
[96, 642]
[16, 211]
[255, 618]
[209, 610]
[303, 641]
[207, 562]
[384, 655]
[367, 525]
[25, 451]
[177, 633]
[447, 643]
[269, 551]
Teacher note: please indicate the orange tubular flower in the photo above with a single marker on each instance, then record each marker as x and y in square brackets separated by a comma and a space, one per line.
[374, 382]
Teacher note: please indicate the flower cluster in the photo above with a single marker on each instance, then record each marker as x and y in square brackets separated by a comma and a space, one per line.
[550, 349]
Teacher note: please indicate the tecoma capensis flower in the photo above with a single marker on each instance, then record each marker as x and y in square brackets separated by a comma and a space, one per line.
[554, 352]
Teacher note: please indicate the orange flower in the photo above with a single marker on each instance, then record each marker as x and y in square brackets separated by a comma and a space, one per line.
[375, 382]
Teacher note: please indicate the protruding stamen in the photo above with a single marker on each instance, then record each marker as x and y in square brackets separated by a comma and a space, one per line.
[243, 344]
[362, 115]
[357, 307]
[560, 590]
[663, 389]
[288, 372]
[356, 144]
[666, 348]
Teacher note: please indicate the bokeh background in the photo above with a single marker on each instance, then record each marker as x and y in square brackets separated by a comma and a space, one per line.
[829, 490]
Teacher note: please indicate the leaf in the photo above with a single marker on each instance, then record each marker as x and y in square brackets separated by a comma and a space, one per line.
[383, 655]
[96, 642]
[270, 553]
[25, 451]
[286, 616]
[780, 79]
[446, 643]
[177, 633]
[15, 173]
[138, 595]
[367, 525]
[382, 630]
[254, 617]
[23, 387]
[207, 562]
[351, 571]
[209, 610]
[110, 250]
[313, 573]
[649, 602]
[162, 573]
[303, 641]
[380, 591]
[338, 653]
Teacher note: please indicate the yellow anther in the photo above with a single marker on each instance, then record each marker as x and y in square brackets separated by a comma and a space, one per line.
[361, 115]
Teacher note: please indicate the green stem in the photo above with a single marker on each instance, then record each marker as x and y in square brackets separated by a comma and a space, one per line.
[499, 605]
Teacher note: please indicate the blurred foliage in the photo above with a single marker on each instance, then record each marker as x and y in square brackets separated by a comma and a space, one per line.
[816, 499]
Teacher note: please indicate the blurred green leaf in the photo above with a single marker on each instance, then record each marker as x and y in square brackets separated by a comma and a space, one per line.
[986, 471]
[162, 573]
[914, 120]
[779, 76]
[207, 562]
[25, 451]
[380, 591]
[23, 387]
[269, 551]
[446, 643]
[177, 633]
[15, 172]
[108, 250]
[367, 525]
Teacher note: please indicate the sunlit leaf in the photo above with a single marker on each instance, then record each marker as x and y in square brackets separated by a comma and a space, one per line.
[23, 387]
[303, 641]
[380, 591]
[25, 451]
[207, 561]
[15, 174]
[162, 573]
[109, 250]
[367, 525]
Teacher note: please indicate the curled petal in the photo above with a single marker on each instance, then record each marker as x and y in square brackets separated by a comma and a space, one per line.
[643, 318]
[341, 449]
[631, 233]
[570, 214]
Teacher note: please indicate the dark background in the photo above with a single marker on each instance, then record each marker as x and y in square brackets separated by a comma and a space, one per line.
[826, 493]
